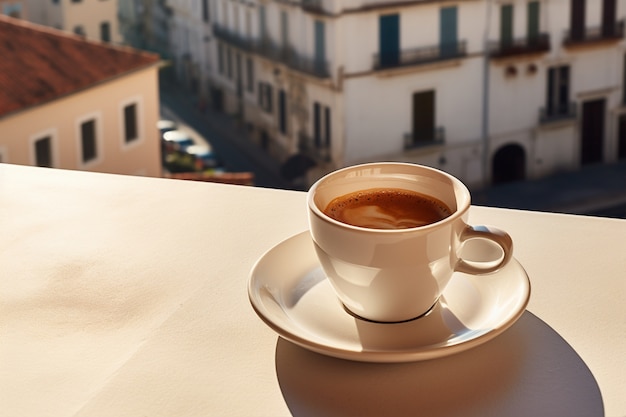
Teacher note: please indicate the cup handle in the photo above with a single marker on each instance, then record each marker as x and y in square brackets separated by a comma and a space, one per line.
[498, 236]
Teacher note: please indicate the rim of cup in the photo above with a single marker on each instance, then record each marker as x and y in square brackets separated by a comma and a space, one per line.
[461, 208]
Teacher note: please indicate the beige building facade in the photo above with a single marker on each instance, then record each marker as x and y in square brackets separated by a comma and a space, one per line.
[106, 128]
[95, 109]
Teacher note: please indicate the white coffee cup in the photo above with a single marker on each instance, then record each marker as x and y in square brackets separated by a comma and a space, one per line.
[394, 275]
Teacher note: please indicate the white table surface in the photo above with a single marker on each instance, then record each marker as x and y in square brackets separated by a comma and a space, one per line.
[127, 296]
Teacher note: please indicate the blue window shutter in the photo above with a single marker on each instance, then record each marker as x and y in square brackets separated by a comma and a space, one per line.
[389, 40]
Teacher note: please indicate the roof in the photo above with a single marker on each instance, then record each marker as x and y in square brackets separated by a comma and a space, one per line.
[40, 64]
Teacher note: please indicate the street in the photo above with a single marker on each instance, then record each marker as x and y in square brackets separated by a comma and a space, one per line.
[236, 151]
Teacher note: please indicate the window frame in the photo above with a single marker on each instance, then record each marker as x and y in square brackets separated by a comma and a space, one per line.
[52, 133]
[283, 112]
[250, 75]
[105, 35]
[265, 96]
[139, 125]
[99, 148]
[558, 89]
[321, 125]
[507, 24]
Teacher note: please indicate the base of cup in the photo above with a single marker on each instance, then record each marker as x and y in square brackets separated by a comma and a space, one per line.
[389, 322]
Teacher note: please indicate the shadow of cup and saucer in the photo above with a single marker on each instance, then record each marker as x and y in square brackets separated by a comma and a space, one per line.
[529, 370]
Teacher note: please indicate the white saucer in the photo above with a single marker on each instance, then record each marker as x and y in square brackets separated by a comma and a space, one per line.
[289, 291]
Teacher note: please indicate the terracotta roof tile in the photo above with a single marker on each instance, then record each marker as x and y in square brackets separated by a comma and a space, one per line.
[40, 64]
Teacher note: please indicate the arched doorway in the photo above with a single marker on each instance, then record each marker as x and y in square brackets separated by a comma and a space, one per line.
[508, 164]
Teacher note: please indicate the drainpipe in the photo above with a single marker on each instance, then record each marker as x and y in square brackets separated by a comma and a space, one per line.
[485, 119]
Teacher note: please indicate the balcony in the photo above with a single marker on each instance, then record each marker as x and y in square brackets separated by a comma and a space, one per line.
[233, 38]
[283, 54]
[313, 148]
[419, 56]
[289, 57]
[522, 46]
[596, 34]
[560, 112]
[315, 6]
[424, 138]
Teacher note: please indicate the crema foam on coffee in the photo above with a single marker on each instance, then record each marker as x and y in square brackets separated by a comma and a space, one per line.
[387, 208]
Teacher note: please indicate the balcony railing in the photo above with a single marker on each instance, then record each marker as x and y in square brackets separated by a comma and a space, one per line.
[284, 54]
[313, 5]
[313, 148]
[423, 138]
[536, 44]
[557, 113]
[232, 38]
[420, 55]
[595, 34]
[288, 56]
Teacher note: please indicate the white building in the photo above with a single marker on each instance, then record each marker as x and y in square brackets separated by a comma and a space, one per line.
[487, 90]
[144, 24]
[190, 43]
[556, 86]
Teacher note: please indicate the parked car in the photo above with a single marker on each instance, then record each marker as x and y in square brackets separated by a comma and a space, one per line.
[166, 125]
[204, 157]
[177, 140]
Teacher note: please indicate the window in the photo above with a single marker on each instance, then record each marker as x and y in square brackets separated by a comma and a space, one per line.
[558, 91]
[423, 118]
[284, 29]
[131, 131]
[282, 112]
[621, 136]
[320, 47]
[237, 18]
[229, 63]
[79, 30]
[205, 10]
[624, 80]
[506, 24]
[321, 126]
[248, 25]
[105, 32]
[533, 21]
[225, 17]
[250, 74]
[262, 24]
[238, 73]
[577, 20]
[448, 28]
[389, 40]
[608, 18]
[265, 96]
[220, 58]
[88, 140]
[43, 152]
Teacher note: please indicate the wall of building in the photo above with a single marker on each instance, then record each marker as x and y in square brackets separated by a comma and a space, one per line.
[371, 108]
[61, 120]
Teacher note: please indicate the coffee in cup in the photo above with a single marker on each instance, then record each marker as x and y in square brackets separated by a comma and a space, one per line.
[387, 208]
[389, 237]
